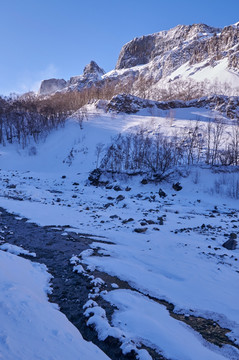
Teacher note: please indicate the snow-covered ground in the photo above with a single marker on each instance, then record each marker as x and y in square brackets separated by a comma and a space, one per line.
[179, 257]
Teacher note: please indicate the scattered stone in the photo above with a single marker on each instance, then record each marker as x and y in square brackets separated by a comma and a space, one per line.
[160, 219]
[117, 188]
[75, 184]
[94, 177]
[150, 222]
[120, 198]
[114, 217]
[108, 205]
[162, 194]
[233, 236]
[127, 220]
[63, 176]
[177, 186]
[141, 230]
[144, 181]
[11, 186]
[230, 244]
[127, 188]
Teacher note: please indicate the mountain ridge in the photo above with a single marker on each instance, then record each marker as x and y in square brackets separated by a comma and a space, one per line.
[196, 52]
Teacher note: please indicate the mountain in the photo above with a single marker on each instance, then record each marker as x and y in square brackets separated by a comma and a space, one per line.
[129, 202]
[197, 52]
[92, 73]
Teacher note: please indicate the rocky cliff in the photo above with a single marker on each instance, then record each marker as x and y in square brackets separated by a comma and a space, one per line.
[166, 51]
[146, 64]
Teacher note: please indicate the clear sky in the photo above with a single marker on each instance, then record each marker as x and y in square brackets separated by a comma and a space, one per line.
[41, 39]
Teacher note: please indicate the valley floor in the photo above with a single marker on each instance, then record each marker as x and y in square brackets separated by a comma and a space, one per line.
[159, 262]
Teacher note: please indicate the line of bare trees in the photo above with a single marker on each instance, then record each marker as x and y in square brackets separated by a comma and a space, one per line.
[24, 118]
[159, 154]
[179, 89]
[27, 117]
[31, 116]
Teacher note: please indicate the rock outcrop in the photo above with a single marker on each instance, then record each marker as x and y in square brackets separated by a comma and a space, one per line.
[51, 85]
[129, 104]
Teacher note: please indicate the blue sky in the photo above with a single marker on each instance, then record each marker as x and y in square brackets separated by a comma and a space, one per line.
[41, 39]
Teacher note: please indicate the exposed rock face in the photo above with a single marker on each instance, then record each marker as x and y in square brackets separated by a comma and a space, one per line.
[146, 48]
[130, 104]
[51, 85]
[137, 52]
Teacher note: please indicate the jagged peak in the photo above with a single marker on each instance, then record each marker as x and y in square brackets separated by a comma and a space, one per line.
[93, 68]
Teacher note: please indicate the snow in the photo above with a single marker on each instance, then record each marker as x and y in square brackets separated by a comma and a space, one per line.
[183, 262]
[17, 250]
[156, 327]
[219, 73]
[31, 327]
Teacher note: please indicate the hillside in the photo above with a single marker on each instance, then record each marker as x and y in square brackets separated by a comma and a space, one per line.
[152, 248]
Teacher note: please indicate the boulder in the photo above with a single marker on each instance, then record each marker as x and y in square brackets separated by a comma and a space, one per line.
[177, 186]
[162, 194]
[230, 244]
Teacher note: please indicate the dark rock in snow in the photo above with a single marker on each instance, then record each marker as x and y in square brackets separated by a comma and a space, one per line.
[94, 177]
[117, 188]
[177, 186]
[127, 220]
[141, 230]
[162, 194]
[11, 186]
[160, 219]
[230, 244]
[108, 205]
[127, 188]
[120, 198]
